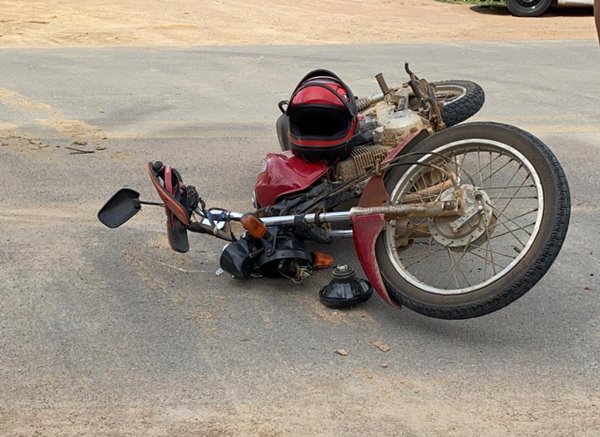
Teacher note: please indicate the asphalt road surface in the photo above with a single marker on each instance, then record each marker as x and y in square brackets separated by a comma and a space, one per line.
[108, 332]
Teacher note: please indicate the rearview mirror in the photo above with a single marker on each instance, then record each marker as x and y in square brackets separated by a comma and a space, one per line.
[123, 205]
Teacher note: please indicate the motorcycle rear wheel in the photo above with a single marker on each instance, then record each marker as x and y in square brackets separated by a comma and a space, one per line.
[462, 99]
[508, 244]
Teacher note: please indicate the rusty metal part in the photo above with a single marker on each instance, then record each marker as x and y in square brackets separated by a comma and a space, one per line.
[405, 228]
[389, 212]
[470, 225]
[429, 209]
[427, 193]
[361, 160]
[406, 231]
[435, 109]
[425, 94]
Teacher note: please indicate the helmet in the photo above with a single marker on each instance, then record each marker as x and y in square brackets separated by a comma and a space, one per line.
[322, 117]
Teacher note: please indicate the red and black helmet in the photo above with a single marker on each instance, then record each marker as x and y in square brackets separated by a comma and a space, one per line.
[322, 117]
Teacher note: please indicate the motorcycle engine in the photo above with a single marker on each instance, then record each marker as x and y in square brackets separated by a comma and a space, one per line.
[361, 160]
[389, 126]
[397, 127]
[396, 124]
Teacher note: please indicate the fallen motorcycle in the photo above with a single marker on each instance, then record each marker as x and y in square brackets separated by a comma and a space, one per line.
[451, 222]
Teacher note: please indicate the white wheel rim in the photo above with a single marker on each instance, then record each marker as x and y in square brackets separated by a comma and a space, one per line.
[401, 186]
[459, 89]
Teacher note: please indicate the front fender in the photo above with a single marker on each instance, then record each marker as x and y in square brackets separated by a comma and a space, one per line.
[366, 229]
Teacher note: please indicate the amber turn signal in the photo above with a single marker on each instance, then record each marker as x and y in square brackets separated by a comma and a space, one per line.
[253, 225]
[322, 260]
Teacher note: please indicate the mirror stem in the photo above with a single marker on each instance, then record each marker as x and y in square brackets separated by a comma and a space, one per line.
[143, 202]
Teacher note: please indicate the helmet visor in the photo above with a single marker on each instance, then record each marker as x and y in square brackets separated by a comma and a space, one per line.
[320, 122]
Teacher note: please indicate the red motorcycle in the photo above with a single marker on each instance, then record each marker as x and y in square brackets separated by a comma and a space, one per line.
[452, 222]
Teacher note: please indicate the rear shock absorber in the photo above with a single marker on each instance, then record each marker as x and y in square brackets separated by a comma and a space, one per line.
[363, 103]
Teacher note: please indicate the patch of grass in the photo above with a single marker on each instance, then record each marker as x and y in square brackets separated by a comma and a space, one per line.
[477, 2]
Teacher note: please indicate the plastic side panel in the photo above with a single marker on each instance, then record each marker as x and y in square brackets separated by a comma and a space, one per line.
[284, 173]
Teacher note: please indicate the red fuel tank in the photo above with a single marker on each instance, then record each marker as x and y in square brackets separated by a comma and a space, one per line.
[284, 173]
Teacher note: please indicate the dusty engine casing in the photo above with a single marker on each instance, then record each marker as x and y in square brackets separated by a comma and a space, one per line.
[396, 125]
[361, 160]
[390, 126]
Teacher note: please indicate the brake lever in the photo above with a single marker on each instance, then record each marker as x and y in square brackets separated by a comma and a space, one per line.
[412, 75]
[415, 85]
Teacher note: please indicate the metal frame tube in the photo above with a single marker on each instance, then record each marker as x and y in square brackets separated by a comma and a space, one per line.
[431, 209]
[323, 217]
[341, 233]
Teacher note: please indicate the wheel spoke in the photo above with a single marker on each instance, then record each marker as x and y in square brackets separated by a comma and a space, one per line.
[480, 171]
[489, 247]
[496, 253]
[508, 187]
[512, 232]
[512, 220]
[516, 192]
[421, 258]
[496, 172]
[453, 268]
[460, 168]
[451, 258]
[485, 259]
[511, 179]
[479, 162]
[491, 174]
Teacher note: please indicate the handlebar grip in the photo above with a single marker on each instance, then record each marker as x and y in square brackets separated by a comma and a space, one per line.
[385, 89]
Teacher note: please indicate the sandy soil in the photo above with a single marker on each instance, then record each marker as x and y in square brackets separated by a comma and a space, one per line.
[52, 23]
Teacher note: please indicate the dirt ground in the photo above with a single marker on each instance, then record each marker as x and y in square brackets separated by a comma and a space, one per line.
[53, 23]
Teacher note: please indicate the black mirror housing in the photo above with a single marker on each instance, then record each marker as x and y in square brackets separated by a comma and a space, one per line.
[123, 205]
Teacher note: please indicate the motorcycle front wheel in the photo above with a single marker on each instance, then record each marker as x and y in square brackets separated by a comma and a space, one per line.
[516, 209]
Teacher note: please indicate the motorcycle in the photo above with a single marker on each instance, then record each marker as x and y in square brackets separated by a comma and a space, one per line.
[451, 222]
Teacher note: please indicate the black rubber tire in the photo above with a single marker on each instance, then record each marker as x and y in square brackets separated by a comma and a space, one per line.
[465, 106]
[533, 8]
[526, 273]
